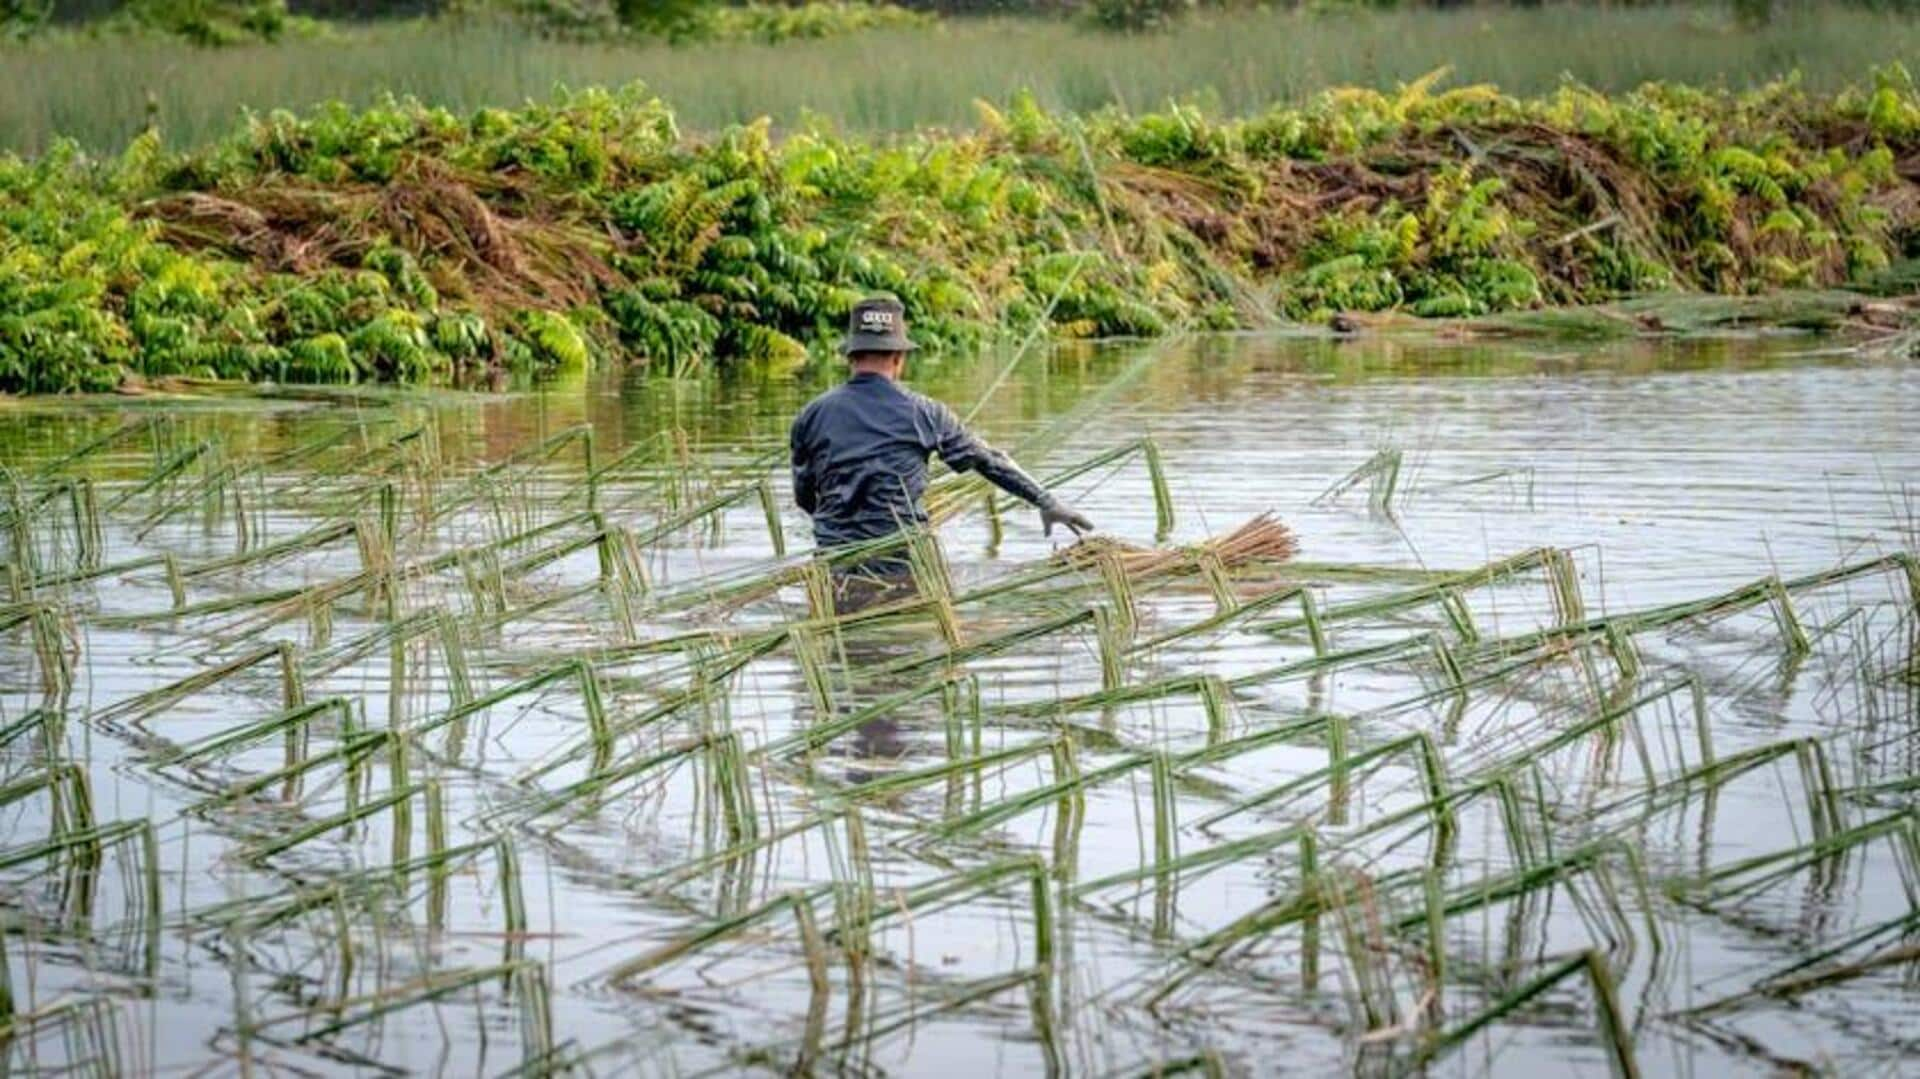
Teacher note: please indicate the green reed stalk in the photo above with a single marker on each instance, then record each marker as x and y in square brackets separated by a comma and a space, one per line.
[1460, 616]
[804, 640]
[167, 469]
[1119, 589]
[1339, 793]
[770, 508]
[1219, 582]
[1195, 864]
[1613, 1030]
[933, 580]
[1310, 617]
[399, 773]
[292, 724]
[437, 871]
[1165, 841]
[431, 986]
[1748, 875]
[1109, 633]
[141, 706]
[892, 785]
[262, 851]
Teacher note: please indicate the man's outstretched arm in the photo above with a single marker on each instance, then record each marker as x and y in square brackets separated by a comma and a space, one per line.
[964, 451]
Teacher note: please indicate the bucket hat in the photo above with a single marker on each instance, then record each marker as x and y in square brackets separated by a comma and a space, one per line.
[877, 324]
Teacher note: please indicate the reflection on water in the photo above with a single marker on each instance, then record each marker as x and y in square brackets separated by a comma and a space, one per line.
[1385, 741]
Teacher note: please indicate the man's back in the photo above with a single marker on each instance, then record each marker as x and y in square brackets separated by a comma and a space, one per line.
[860, 457]
[860, 450]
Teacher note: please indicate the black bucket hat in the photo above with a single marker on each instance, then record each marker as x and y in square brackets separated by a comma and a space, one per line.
[877, 324]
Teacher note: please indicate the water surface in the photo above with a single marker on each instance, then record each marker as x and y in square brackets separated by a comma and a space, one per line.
[1667, 472]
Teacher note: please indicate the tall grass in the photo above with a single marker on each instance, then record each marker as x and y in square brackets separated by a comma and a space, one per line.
[103, 92]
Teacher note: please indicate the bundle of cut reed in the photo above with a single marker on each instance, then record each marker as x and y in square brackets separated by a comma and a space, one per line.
[1263, 539]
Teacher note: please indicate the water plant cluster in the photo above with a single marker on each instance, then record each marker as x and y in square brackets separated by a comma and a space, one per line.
[408, 243]
[571, 757]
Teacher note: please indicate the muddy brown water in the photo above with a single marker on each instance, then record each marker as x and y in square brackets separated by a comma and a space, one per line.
[1669, 472]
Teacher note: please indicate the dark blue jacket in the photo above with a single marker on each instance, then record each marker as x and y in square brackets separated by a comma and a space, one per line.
[860, 455]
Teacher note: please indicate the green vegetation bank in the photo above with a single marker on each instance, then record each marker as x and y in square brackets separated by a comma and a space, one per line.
[410, 243]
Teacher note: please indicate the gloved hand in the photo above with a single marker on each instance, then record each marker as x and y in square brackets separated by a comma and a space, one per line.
[1053, 513]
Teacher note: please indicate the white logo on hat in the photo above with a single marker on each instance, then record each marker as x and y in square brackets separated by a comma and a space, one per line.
[874, 320]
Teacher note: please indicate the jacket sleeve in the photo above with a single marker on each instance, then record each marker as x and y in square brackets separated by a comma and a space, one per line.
[805, 483]
[964, 451]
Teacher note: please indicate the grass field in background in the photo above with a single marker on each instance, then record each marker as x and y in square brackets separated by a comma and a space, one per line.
[102, 92]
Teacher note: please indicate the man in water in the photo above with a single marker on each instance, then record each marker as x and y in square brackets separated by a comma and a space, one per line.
[860, 450]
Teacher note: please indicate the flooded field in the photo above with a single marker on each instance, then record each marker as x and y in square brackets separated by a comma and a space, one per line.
[1573, 725]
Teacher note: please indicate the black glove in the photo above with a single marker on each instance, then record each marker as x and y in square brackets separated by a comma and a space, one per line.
[1053, 513]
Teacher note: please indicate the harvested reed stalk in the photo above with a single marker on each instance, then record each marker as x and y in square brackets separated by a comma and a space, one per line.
[1382, 471]
[1112, 641]
[771, 510]
[263, 851]
[6, 990]
[1188, 867]
[88, 845]
[294, 725]
[809, 654]
[136, 708]
[1225, 600]
[1738, 599]
[73, 813]
[1310, 615]
[398, 776]
[354, 750]
[1261, 540]
[933, 581]
[1625, 654]
[1211, 690]
[166, 470]
[436, 857]
[1789, 622]
[1163, 519]
[1426, 758]
[955, 657]
[998, 813]
[1223, 619]
[1747, 875]
[1338, 792]
[1165, 845]
[892, 785]
[818, 580]
[1459, 615]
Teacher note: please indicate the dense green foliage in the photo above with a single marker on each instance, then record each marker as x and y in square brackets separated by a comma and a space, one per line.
[101, 92]
[406, 242]
[233, 22]
[1134, 15]
[696, 20]
[201, 22]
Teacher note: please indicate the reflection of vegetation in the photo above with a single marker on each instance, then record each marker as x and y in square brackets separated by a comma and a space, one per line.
[410, 244]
